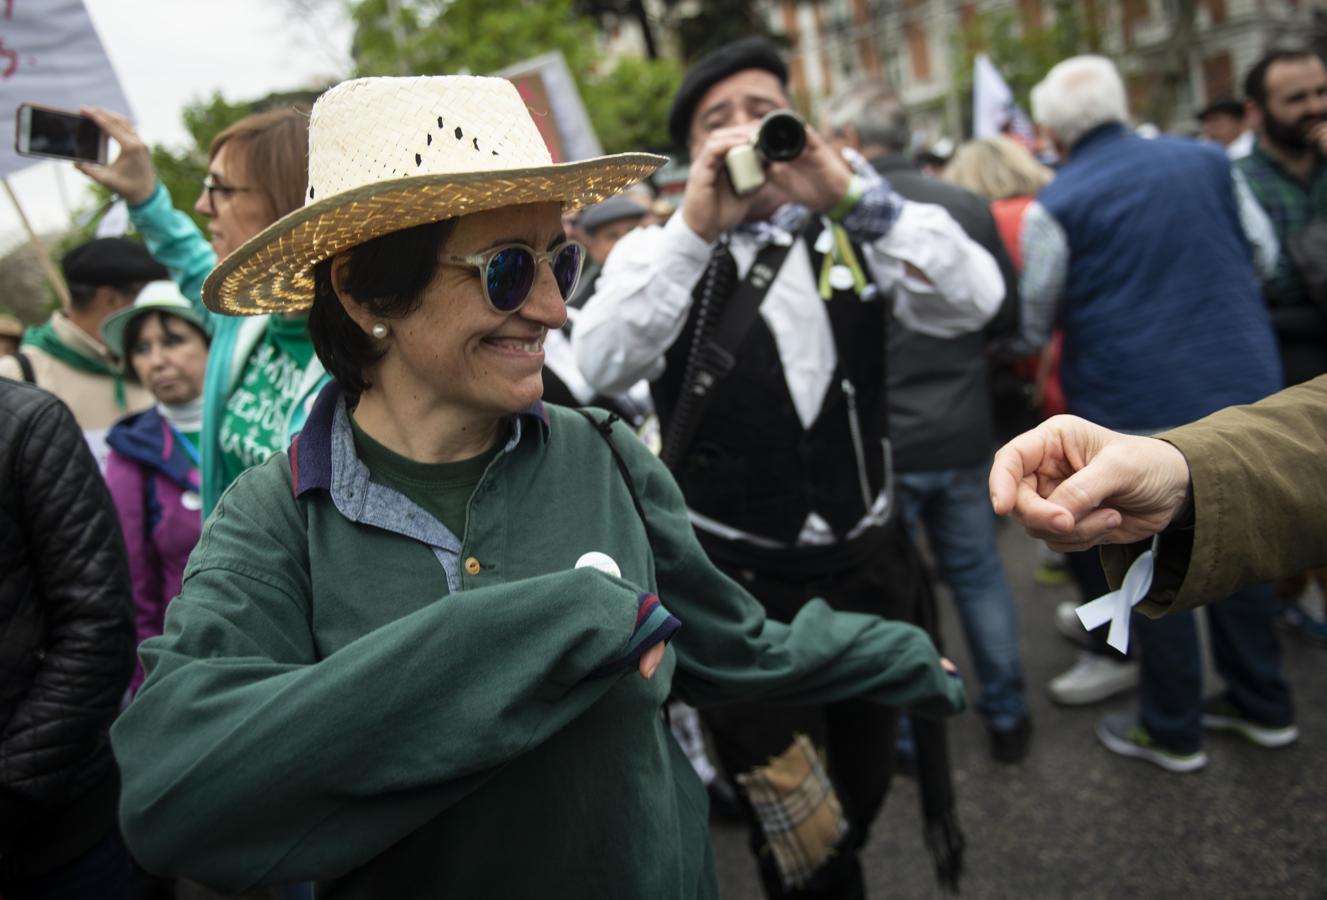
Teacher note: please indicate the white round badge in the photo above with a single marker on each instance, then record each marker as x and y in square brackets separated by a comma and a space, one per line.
[191, 501]
[840, 278]
[601, 561]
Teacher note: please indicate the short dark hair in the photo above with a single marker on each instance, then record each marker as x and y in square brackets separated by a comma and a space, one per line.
[386, 275]
[135, 327]
[1222, 106]
[1255, 83]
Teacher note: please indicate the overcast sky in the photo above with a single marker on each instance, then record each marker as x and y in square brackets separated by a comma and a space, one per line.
[169, 53]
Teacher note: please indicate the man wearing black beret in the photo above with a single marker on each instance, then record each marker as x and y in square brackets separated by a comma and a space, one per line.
[760, 321]
[65, 355]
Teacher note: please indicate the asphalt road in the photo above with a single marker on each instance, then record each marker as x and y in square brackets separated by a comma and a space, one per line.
[1074, 820]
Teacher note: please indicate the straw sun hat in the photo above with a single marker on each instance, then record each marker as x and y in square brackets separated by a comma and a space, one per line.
[390, 153]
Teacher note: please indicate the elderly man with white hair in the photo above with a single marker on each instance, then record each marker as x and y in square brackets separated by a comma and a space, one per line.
[1144, 253]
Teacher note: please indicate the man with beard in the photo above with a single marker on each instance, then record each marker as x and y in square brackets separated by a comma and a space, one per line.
[1287, 171]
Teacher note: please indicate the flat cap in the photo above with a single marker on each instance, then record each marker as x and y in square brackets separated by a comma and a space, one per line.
[1227, 106]
[613, 209]
[748, 53]
[114, 262]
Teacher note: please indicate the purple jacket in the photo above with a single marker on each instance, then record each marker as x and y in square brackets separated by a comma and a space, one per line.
[155, 485]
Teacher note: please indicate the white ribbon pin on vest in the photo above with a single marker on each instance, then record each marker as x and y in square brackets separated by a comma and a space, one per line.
[1116, 606]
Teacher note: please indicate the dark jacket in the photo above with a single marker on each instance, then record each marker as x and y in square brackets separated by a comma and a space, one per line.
[155, 486]
[1163, 319]
[66, 636]
[939, 393]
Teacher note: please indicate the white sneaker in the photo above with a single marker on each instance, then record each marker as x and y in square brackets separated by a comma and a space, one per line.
[1069, 625]
[1092, 679]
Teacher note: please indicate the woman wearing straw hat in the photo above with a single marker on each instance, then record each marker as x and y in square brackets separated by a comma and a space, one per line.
[152, 470]
[423, 653]
[262, 373]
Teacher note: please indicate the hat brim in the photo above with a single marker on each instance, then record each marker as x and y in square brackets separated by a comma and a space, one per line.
[117, 323]
[273, 271]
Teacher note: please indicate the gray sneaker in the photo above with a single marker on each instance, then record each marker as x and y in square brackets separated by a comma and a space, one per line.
[1069, 625]
[1219, 714]
[1127, 737]
[1092, 679]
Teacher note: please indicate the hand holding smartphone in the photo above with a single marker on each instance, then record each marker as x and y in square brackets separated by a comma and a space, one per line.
[43, 131]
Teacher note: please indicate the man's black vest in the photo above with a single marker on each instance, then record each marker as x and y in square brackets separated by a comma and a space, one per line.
[751, 464]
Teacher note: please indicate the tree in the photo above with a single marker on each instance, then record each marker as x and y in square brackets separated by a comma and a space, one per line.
[181, 170]
[627, 103]
[1025, 55]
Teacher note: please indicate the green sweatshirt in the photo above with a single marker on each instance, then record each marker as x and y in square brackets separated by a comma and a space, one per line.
[347, 692]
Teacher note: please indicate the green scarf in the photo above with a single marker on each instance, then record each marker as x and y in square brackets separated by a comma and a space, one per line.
[44, 338]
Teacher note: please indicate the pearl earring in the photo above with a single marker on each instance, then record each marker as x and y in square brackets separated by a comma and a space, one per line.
[379, 330]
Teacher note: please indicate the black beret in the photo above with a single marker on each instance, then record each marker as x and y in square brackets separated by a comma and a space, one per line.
[113, 262]
[1227, 106]
[748, 53]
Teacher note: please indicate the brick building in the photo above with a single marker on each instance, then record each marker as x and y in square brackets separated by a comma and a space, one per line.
[1175, 55]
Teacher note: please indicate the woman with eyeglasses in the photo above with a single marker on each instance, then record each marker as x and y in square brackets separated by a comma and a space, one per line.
[424, 652]
[262, 373]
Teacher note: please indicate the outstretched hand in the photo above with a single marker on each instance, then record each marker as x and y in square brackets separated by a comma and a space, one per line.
[131, 175]
[1074, 484]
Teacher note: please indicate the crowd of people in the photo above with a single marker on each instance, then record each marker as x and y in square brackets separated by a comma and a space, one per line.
[404, 501]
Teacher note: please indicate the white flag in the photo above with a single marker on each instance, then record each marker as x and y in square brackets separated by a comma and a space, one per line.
[50, 55]
[994, 111]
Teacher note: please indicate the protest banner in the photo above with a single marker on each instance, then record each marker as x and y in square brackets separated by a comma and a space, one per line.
[549, 90]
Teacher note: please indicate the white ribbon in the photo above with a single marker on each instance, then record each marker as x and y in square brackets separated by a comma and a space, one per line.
[1116, 606]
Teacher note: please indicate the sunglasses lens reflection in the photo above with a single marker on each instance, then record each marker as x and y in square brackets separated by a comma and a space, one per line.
[567, 269]
[510, 276]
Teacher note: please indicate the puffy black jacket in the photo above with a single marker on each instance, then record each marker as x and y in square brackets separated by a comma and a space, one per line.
[66, 636]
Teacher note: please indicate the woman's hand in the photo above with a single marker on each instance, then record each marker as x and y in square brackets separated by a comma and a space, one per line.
[131, 175]
[650, 660]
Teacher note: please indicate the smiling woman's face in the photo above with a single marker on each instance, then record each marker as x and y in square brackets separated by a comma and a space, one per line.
[454, 347]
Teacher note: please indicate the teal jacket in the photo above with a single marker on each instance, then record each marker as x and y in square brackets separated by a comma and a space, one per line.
[348, 693]
[174, 240]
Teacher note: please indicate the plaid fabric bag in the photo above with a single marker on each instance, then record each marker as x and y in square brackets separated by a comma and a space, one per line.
[798, 810]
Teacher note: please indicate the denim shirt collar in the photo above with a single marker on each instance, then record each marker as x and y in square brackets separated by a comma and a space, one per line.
[322, 457]
[314, 452]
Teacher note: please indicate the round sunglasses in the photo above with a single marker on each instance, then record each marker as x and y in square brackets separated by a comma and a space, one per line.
[508, 271]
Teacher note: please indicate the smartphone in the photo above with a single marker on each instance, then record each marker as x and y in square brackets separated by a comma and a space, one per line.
[58, 134]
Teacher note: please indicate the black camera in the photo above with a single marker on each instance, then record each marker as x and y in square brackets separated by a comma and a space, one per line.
[780, 138]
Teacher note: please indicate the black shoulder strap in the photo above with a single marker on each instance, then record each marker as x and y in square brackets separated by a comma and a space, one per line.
[605, 429]
[26, 365]
[715, 353]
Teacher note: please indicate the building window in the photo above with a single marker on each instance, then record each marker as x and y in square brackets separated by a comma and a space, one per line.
[1218, 77]
[1134, 11]
[1216, 9]
[1029, 15]
[918, 50]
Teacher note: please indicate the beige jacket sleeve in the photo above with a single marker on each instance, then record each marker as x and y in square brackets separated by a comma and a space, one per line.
[1259, 476]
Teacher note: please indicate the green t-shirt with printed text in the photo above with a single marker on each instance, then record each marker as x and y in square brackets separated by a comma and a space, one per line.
[253, 426]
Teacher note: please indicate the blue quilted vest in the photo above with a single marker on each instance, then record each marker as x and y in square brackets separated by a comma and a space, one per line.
[1162, 315]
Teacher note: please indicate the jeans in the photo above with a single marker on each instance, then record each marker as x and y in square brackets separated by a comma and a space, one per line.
[1247, 655]
[954, 506]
